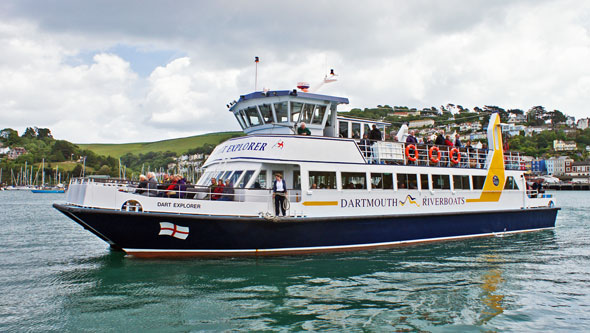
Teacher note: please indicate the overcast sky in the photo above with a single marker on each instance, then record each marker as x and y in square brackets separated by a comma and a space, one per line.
[133, 71]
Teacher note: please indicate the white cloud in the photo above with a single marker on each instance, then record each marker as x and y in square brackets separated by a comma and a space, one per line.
[514, 54]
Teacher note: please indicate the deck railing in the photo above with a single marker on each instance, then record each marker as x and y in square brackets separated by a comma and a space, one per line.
[395, 153]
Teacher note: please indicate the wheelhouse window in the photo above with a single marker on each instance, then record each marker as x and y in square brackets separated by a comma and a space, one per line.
[318, 114]
[247, 175]
[322, 180]
[407, 181]
[382, 181]
[343, 129]
[245, 118]
[240, 120]
[281, 110]
[266, 112]
[307, 114]
[296, 111]
[461, 182]
[441, 182]
[253, 115]
[354, 180]
[424, 182]
[478, 182]
[510, 184]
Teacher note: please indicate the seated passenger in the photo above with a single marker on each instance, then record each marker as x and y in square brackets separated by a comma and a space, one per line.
[143, 185]
[172, 189]
[302, 130]
[152, 184]
[228, 192]
[217, 190]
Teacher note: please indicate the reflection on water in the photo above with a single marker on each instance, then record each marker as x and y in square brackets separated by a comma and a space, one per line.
[55, 276]
[491, 282]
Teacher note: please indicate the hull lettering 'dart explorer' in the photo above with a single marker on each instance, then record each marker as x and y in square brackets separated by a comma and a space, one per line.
[303, 181]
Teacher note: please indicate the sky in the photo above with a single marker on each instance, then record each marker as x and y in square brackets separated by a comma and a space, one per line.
[141, 71]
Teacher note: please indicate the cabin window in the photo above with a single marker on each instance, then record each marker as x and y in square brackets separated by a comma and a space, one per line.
[245, 179]
[260, 180]
[318, 114]
[461, 182]
[234, 178]
[356, 130]
[307, 114]
[281, 110]
[382, 181]
[424, 182]
[354, 180]
[510, 184]
[240, 120]
[296, 111]
[343, 129]
[266, 113]
[253, 116]
[478, 182]
[441, 182]
[225, 175]
[407, 181]
[322, 180]
[205, 178]
[296, 180]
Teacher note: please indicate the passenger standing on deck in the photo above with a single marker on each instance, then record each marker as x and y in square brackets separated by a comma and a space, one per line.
[279, 193]
[440, 138]
[375, 134]
[411, 138]
[302, 130]
[458, 143]
[365, 145]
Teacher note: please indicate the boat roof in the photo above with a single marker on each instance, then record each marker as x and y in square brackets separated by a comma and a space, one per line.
[273, 93]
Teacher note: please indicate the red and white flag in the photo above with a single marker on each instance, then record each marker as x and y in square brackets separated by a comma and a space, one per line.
[171, 229]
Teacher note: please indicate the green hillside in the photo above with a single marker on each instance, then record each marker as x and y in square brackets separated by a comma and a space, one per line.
[181, 145]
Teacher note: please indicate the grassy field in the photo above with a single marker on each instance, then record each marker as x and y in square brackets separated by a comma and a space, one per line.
[179, 146]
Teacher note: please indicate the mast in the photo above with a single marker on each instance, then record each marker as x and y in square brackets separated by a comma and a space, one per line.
[42, 173]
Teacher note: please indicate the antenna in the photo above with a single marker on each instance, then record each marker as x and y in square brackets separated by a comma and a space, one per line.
[256, 60]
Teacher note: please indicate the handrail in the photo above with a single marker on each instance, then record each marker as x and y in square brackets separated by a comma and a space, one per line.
[383, 152]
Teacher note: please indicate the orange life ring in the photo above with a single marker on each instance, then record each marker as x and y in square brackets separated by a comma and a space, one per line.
[458, 159]
[410, 157]
[432, 159]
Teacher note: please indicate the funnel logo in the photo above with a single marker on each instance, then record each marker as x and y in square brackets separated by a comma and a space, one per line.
[410, 200]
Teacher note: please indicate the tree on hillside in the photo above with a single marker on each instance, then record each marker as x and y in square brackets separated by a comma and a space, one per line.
[535, 116]
[29, 133]
[43, 133]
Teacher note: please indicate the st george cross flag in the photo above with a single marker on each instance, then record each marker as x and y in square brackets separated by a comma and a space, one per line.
[171, 229]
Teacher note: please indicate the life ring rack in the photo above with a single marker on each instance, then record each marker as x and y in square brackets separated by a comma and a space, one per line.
[452, 156]
[412, 158]
[431, 152]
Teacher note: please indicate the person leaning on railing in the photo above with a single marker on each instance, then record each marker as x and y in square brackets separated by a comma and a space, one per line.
[152, 184]
[142, 186]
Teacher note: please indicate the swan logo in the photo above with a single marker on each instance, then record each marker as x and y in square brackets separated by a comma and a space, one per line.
[409, 200]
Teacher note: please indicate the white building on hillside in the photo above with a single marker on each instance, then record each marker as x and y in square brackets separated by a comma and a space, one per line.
[559, 145]
[583, 123]
[421, 123]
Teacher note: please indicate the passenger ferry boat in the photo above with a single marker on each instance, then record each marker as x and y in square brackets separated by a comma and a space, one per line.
[342, 195]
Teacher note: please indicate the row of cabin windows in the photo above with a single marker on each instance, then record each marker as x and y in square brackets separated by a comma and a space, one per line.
[263, 114]
[357, 180]
[385, 181]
